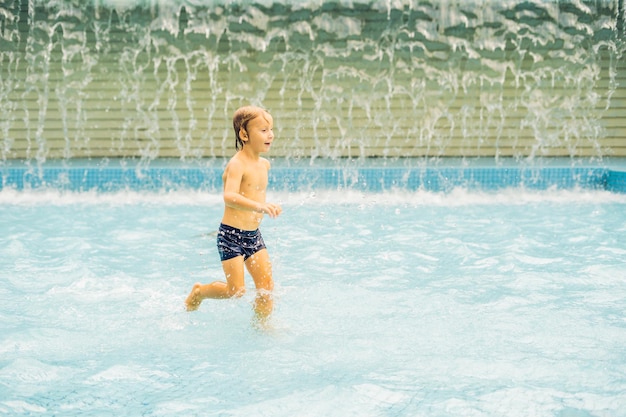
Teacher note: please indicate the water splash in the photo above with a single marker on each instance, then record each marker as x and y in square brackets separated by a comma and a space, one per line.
[353, 78]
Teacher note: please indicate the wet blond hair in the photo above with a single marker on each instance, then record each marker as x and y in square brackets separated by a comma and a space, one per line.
[241, 118]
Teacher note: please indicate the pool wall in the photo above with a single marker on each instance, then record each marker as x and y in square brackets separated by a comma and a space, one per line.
[170, 175]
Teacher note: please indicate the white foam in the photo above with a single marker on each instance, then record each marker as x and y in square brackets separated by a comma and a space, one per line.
[65, 198]
[457, 197]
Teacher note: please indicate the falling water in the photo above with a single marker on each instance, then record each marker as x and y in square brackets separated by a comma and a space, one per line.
[156, 78]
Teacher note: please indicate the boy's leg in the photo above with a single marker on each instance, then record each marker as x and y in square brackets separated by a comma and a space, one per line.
[260, 269]
[233, 287]
[233, 271]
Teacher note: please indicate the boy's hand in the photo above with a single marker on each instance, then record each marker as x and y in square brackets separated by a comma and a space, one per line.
[272, 210]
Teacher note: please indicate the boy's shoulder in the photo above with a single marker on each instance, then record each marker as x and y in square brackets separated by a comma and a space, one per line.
[239, 161]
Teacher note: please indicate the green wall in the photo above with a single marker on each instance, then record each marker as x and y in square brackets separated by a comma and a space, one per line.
[449, 78]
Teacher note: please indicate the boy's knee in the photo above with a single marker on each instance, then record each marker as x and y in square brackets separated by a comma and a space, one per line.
[266, 284]
[236, 291]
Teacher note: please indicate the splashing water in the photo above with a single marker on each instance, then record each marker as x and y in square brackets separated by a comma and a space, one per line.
[392, 304]
[361, 78]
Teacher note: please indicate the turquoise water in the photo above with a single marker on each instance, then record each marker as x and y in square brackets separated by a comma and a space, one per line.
[467, 303]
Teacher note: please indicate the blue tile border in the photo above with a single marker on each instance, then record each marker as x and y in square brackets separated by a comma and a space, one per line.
[440, 179]
[111, 179]
[303, 178]
[616, 181]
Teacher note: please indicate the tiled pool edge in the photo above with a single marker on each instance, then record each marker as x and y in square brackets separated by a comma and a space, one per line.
[375, 179]
[616, 181]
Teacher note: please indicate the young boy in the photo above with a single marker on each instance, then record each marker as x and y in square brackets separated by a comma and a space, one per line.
[239, 240]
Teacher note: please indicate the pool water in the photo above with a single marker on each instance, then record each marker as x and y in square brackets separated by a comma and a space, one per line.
[467, 303]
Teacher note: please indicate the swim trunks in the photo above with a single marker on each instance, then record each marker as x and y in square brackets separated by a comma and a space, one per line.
[232, 242]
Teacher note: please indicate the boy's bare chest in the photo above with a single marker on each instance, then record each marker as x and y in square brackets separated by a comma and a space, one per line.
[254, 181]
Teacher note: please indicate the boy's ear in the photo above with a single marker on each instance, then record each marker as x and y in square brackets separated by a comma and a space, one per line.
[243, 135]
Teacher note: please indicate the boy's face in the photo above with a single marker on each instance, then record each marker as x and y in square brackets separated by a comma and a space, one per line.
[259, 134]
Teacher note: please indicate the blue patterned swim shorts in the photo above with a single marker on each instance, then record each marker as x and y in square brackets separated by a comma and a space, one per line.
[232, 242]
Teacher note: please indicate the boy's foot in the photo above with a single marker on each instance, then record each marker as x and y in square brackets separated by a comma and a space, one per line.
[193, 299]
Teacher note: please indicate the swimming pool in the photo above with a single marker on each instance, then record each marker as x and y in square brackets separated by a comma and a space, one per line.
[397, 302]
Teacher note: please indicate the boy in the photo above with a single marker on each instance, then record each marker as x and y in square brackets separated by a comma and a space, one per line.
[239, 240]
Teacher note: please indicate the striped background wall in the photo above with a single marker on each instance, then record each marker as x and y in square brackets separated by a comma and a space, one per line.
[452, 78]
